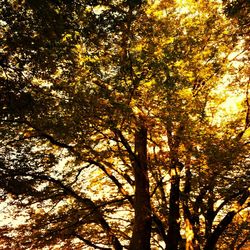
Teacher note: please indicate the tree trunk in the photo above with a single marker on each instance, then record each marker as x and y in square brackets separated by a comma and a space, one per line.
[142, 225]
[190, 234]
[174, 214]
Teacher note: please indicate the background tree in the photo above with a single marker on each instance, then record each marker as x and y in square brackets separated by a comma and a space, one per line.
[114, 125]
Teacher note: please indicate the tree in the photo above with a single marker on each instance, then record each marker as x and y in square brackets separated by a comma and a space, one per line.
[110, 134]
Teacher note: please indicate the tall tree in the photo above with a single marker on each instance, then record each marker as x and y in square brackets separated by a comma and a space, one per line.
[115, 125]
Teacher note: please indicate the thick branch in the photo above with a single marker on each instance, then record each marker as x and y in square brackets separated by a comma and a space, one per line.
[114, 179]
[213, 238]
[125, 143]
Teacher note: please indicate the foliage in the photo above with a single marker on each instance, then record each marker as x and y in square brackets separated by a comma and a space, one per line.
[117, 131]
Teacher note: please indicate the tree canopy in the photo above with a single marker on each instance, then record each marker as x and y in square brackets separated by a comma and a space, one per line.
[124, 124]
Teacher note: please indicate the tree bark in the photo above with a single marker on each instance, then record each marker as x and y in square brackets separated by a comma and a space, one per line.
[190, 218]
[174, 214]
[142, 224]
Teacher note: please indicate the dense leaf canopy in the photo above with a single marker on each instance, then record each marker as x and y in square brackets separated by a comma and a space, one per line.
[124, 124]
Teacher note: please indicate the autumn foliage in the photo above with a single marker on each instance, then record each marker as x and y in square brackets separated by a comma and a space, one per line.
[124, 124]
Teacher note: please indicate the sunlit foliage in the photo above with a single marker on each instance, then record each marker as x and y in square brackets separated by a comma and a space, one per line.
[124, 124]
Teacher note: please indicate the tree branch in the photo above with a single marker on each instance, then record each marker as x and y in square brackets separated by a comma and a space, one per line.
[42, 134]
[89, 243]
[214, 236]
